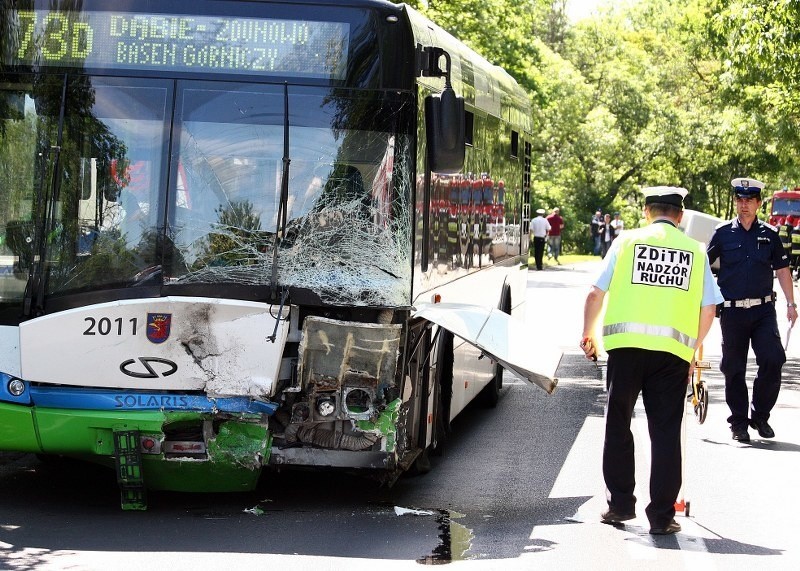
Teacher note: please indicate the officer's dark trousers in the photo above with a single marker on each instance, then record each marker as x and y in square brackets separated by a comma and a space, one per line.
[661, 378]
[740, 327]
[538, 252]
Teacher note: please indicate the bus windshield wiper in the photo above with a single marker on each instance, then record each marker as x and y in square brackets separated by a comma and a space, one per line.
[45, 228]
[284, 200]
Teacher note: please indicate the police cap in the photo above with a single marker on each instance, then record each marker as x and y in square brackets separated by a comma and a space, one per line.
[747, 187]
[673, 195]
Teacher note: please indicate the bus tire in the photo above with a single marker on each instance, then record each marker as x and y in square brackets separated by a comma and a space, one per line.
[490, 395]
[421, 464]
[444, 390]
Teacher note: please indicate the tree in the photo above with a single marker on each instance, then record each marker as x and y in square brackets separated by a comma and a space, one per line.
[759, 45]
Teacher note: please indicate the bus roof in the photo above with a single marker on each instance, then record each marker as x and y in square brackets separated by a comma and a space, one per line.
[484, 85]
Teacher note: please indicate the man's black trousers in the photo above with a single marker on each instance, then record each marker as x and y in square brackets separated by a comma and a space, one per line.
[661, 378]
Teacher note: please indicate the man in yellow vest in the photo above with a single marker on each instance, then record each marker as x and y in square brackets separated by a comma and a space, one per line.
[662, 299]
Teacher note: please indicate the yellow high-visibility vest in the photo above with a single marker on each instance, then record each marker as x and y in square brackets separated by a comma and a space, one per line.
[656, 291]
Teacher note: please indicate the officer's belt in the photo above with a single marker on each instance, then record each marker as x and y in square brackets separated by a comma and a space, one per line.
[751, 302]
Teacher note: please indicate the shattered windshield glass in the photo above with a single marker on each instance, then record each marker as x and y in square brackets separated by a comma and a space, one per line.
[156, 182]
[347, 235]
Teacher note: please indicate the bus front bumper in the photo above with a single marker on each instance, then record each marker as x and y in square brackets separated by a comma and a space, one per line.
[185, 451]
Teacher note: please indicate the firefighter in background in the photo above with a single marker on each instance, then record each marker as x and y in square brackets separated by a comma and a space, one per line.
[473, 226]
[442, 217]
[793, 225]
[785, 229]
[453, 208]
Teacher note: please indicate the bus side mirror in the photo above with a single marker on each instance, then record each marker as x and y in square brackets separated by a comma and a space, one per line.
[444, 116]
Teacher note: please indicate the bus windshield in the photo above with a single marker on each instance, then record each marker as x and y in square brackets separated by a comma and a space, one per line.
[119, 182]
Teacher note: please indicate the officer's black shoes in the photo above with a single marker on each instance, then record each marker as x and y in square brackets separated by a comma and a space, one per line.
[740, 434]
[612, 517]
[764, 429]
[669, 529]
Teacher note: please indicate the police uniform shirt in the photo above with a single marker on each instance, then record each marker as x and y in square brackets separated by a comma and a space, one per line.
[747, 258]
[711, 293]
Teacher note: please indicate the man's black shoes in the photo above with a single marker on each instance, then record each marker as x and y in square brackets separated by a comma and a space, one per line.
[740, 434]
[764, 429]
[669, 529]
[612, 517]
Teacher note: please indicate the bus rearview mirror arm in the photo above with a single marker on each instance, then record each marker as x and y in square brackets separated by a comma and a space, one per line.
[444, 115]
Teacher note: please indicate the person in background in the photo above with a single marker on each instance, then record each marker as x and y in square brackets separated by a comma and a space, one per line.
[554, 237]
[749, 250]
[607, 235]
[539, 229]
[596, 223]
[617, 224]
[656, 318]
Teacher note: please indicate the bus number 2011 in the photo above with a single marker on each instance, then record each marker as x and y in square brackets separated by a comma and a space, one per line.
[107, 326]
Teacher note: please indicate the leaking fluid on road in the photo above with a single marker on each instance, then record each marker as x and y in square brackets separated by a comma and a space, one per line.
[454, 540]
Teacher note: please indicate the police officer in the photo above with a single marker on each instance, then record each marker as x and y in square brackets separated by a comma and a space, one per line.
[661, 303]
[749, 250]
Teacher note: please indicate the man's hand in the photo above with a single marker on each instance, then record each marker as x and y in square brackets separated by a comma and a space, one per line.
[791, 314]
[589, 348]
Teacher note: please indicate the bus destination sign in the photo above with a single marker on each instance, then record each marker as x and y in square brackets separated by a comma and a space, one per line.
[118, 40]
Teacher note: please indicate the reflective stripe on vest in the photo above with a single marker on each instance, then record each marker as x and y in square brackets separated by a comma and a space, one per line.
[648, 329]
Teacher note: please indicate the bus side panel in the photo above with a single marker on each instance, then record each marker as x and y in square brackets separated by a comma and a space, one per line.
[471, 370]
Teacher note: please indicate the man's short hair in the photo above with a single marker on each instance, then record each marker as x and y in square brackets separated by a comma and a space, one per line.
[663, 209]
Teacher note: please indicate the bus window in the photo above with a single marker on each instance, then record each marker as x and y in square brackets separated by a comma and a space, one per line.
[110, 167]
[18, 145]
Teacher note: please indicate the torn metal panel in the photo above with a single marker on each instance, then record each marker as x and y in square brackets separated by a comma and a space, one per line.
[344, 352]
[502, 337]
[241, 444]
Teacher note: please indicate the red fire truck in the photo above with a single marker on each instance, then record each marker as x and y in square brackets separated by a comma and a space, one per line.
[785, 207]
[784, 214]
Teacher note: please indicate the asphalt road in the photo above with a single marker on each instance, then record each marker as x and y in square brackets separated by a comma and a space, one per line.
[518, 487]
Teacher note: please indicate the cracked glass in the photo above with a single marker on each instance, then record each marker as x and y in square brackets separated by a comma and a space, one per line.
[347, 230]
[127, 188]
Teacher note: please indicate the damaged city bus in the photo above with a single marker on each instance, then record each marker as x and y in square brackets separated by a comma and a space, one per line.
[251, 234]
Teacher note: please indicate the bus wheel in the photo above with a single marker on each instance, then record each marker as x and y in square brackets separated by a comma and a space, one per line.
[444, 390]
[422, 464]
[490, 395]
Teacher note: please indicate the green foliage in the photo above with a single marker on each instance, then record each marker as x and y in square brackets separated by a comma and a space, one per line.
[238, 239]
[110, 261]
[690, 93]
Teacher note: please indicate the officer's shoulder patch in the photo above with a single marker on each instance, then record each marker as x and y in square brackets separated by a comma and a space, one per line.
[768, 225]
[723, 224]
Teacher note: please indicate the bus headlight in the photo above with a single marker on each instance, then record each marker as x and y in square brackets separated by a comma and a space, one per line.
[326, 406]
[16, 387]
[358, 403]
